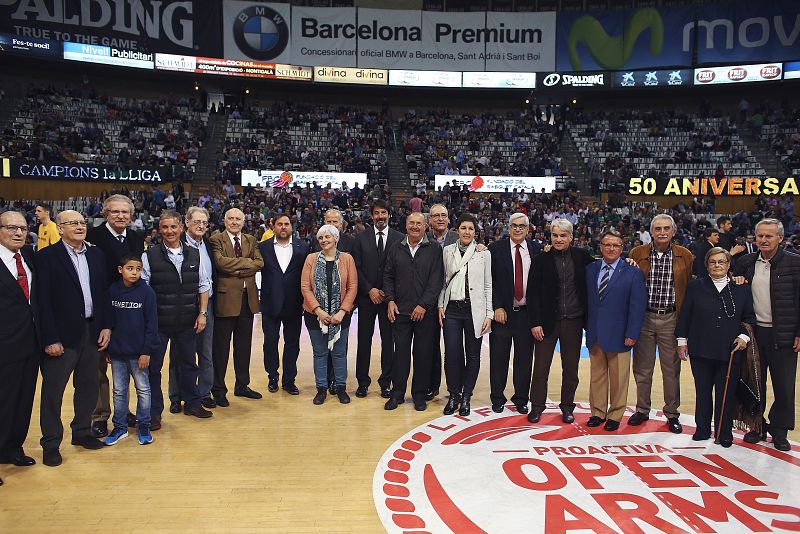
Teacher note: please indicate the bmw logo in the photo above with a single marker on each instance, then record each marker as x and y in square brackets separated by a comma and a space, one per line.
[261, 32]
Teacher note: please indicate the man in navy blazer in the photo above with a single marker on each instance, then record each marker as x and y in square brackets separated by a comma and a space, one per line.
[511, 263]
[617, 299]
[76, 326]
[281, 301]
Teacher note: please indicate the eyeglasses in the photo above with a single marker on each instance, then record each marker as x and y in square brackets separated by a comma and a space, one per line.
[73, 223]
[118, 212]
[519, 227]
[439, 216]
[718, 262]
[199, 223]
[610, 245]
[13, 228]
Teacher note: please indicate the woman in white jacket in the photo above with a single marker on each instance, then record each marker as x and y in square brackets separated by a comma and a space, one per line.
[465, 313]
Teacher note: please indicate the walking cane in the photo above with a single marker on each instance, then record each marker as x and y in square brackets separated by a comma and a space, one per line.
[724, 398]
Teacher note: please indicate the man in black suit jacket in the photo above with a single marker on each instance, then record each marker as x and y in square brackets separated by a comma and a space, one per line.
[281, 301]
[76, 321]
[345, 243]
[369, 253]
[709, 240]
[115, 240]
[511, 261]
[19, 348]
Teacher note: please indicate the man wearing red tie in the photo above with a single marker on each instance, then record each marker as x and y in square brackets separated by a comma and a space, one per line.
[19, 352]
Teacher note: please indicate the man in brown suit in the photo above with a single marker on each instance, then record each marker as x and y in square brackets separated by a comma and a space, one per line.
[667, 269]
[237, 259]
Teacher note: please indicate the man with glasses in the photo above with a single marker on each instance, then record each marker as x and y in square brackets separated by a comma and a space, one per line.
[75, 327]
[19, 348]
[511, 263]
[115, 239]
[667, 269]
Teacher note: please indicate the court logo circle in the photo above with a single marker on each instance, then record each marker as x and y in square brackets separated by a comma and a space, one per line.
[260, 32]
[499, 473]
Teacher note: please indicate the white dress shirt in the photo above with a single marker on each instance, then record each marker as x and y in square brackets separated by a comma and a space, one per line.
[8, 260]
[385, 233]
[526, 266]
[284, 254]
[114, 233]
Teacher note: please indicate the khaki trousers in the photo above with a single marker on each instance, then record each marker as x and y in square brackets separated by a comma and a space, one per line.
[657, 331]
[608, 385]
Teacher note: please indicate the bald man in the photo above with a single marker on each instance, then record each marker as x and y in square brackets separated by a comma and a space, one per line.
[237, 259]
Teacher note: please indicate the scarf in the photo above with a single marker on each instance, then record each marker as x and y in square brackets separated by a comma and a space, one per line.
[743, 419]
[457, 263]
[330, 302]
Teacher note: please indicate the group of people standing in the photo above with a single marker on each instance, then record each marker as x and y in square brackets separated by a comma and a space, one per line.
[97, 296]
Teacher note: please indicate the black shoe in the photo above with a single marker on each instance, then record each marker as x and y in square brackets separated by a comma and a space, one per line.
[567, 417]
[611, 426]
[361, 392]
[155, 423]
[322, 394]
[420, 405]
[497, 408]
[755, 437]
[88, 442]
[175, 407]
[522, 408]
[332, 389]
[452, 404]
[393, 403]
[726, 441]
[638, 418]
[222, 401]
[781, 444]
[344, 398]
[131, 420]
[51, 457]
[431, 395]
[291, 389]
[208, 402]
[465, 407]
[20, 460]
[534, 416]
[100, 429]
[386, 393]
[700, 436]
[272, 386]
[594, 421]
[248, 393]
[1, 481]
[674, 425]
[197, 411]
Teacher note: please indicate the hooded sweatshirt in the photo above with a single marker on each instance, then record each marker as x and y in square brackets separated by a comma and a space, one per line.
[136, 320]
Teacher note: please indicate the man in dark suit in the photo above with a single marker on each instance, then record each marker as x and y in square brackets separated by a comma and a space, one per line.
[75, 311]
[617, 299]
[115, 240]
[19, 347]
[701, 247]
[369, 254]
[511, 262]
[281, 301]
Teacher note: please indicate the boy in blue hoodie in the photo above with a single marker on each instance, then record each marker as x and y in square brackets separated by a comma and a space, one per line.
[133, 340]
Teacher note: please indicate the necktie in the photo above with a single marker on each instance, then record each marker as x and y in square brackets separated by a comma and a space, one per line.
[380, 243]
[237, 247]
[121, 238]
[601, 290]
[518, 275]
[22, 277]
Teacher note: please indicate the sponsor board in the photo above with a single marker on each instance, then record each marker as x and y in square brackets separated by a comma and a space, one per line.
[176, 62]
[297, 178]
[574, 80]
[82, 172]
[653, 78]
[499, 80]
[491, 184]
[497, 472]
[351, 75]
[791, 70]
[293, 72]
[235, 67]
[424, 78]
[766, 72]
[29, 46]
[729, 186]
[107, 56]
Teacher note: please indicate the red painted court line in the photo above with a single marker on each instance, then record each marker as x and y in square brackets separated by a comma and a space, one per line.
[700, 447]
[521, 450]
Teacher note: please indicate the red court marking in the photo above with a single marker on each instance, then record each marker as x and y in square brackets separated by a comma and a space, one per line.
[445, 508]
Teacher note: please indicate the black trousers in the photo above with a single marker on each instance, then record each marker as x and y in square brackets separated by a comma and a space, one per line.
[271, 326]
[367, 312]
[782, 366]
[709, 387]
[419, 333]
[517, 330]
[80, 362]
[436, 358]
[241, 328]
[462, 350]
[569, 332]
[17, 389]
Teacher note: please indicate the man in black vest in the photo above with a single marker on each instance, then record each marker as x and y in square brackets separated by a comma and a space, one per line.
[174, 271]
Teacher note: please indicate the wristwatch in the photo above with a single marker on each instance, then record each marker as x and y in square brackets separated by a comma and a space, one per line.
[204, 313]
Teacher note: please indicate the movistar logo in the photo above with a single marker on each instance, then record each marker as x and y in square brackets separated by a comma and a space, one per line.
[612, 52]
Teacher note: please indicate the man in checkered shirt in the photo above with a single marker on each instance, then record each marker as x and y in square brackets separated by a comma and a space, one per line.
[667, 269]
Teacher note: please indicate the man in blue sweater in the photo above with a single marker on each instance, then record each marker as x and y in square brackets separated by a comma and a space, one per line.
[135, 338]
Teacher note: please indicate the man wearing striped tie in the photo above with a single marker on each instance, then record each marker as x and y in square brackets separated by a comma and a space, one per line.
[617, 298]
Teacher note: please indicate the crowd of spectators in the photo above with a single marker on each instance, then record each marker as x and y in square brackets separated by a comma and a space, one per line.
[779, 128]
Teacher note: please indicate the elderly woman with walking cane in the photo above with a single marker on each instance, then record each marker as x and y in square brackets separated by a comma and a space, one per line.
[711, 332]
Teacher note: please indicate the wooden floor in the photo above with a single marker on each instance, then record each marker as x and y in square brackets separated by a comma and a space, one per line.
[279, 464]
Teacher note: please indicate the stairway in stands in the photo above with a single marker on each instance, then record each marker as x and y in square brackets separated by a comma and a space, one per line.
[210, 153]
[571, 158]
[764, 155]
[399, 182]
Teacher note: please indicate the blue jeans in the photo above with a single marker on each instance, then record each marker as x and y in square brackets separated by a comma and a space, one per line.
[319, 343]
[205, 364]
[122, 370]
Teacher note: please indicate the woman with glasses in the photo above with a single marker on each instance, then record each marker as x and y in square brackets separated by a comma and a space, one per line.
[709, 329]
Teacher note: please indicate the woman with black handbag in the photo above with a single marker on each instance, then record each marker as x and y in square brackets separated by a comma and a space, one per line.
[710, 331]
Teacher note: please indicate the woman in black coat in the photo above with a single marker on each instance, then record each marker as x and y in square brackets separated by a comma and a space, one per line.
[708, 329]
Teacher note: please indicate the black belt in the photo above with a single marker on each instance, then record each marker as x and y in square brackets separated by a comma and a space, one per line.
[518, 308]
[662, 312]
[460, 303]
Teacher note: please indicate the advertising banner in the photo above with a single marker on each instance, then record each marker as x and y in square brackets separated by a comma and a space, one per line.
[82, 172]
[253, 30]
[746, 31]
[492, 184]
[424, 78]
[733, 187]
[324, 36]
[791, 70]
[525, 42]
[107, 56]
[235, 67]
[296, 178]
[653, 78]
[499, 80]
[351, 75]
[177, 27]
[30, 46]
[574, 80]
[451, 39]
[294, 72]
[638, 38]
[176, 62]
[766, 72]
[390, 39]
